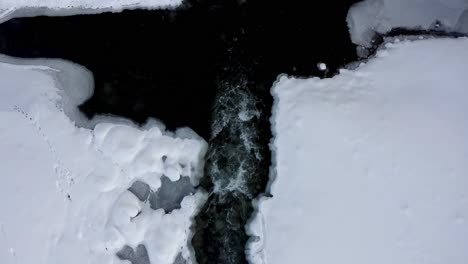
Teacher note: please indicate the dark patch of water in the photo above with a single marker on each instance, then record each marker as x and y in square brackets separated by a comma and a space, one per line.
[168, 196]
[145, 63]
[272, 38]
[135, 256]
[209, 65]
[171, 194]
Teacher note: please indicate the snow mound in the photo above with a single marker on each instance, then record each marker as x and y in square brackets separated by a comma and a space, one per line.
[371, 165]
[369, 16]
[65, 194]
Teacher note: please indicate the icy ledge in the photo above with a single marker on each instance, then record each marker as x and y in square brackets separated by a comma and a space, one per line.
[381, 16]
[64, 195]
[25, 8]
[371, 165]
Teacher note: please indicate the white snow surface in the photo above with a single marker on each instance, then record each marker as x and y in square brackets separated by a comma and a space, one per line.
[371, 166]
[25, 8]
[64, 197]
[381, 16]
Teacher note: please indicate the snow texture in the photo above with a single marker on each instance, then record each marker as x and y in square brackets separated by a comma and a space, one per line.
[24, 8]
[369, 16]
[371, 166]
[64, 195]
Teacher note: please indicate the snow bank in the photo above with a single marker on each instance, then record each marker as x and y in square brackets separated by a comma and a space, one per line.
[25, 8]
[381, 16]
[371, 165]
[64, 197]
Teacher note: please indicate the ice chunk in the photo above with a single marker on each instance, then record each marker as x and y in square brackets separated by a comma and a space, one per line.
[322, 66]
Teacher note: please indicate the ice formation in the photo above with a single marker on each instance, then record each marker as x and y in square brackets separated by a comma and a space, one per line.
[381, 16]
[25, 8]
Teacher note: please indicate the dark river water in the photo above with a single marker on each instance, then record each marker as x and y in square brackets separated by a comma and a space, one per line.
[208, 65]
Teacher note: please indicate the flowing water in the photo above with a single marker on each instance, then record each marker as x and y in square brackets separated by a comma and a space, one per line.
[208, 65]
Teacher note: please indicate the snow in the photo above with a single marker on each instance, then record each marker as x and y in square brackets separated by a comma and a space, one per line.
[25, 8]
[383, 15]
[64, 195]
[371, 166]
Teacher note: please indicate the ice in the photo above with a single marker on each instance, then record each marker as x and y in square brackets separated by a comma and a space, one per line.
[381, 16]
[370, 166]
[24, 8]
[79, 185]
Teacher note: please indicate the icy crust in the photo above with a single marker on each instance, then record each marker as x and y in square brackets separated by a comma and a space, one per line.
[370, 16]
[64, 192]
[371, 165]
[26, 8]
